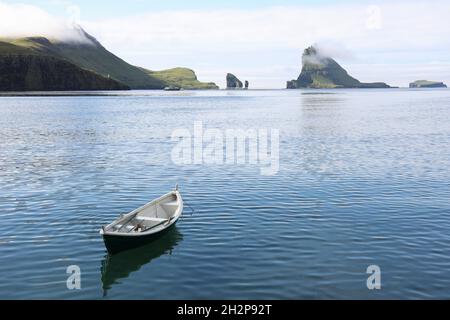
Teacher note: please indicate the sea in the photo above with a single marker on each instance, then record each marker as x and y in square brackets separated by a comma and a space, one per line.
[356, 204]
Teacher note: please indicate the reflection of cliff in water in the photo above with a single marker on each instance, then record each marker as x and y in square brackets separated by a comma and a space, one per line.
[121, 265]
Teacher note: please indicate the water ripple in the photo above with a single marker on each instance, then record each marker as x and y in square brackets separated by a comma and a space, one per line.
[364, 179]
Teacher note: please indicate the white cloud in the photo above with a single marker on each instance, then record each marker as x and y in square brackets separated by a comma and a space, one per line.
[22, 20]
[217, 38]
[265, 44]
[359, 26]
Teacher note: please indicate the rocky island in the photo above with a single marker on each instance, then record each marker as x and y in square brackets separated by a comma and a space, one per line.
[427, 84]
[319, 71]
[233, 82]
[38, 63]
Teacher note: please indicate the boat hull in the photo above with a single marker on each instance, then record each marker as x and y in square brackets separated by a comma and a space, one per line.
[117, 243]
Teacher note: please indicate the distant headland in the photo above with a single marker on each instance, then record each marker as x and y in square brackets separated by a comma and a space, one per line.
[41, 64]
[320, 72]
[427, 84]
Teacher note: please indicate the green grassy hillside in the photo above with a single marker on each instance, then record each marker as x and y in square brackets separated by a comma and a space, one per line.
[9, 48]
[21, 69]
[181, 77]
[91, 55]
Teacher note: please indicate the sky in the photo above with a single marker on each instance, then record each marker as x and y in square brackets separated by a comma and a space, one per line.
[261, 41]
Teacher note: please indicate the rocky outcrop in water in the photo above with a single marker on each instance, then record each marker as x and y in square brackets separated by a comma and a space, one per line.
[233, 82]
[319, 71]
[427, 84]
[246, 85]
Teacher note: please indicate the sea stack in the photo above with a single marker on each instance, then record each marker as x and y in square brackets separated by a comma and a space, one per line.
[320, 71]
[427, 84]
[246, 85]
[233, 82]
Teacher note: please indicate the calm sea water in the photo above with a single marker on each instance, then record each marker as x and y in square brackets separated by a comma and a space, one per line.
[364, 180]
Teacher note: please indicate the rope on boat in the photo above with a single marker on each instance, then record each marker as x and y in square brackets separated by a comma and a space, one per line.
[184, 202]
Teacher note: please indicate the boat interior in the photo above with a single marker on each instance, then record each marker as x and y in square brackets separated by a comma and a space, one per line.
[150, 216]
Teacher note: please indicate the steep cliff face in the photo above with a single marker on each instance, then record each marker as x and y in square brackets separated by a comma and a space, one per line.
[427, 84]
[233, 82]
[92, 56]
[42, 73]
[319, 71]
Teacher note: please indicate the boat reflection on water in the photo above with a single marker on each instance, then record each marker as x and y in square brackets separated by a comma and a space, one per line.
[121, 265]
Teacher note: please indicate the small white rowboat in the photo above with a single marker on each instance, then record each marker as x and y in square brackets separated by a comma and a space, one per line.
[143, 224]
